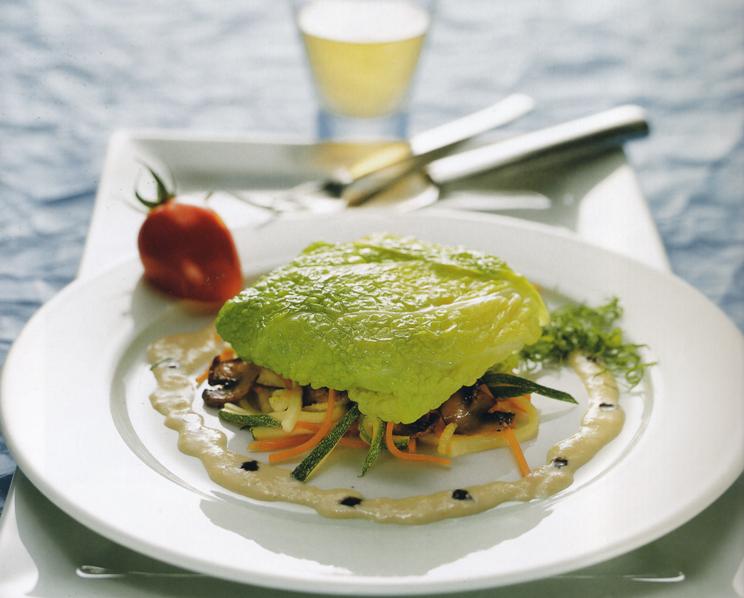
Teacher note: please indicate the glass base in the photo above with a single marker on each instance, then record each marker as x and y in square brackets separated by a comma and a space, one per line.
[337, 127]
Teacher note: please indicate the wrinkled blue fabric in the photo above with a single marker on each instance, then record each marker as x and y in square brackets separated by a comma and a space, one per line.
[72, 71]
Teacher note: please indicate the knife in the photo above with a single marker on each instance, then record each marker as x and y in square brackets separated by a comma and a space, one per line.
[424, 147]
[567, 140]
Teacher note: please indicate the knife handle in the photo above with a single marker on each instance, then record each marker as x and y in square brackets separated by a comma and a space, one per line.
[450, 134]
[425, 146]
[604, 129]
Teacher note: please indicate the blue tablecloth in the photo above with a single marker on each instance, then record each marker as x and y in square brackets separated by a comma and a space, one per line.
[72, 71]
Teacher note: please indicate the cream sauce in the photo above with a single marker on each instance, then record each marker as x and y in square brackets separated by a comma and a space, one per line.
[177, 360]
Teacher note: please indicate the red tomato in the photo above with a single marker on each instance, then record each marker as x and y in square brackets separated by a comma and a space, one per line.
[188, 252]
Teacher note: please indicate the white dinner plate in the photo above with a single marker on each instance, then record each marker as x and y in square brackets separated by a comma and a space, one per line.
[76, 415]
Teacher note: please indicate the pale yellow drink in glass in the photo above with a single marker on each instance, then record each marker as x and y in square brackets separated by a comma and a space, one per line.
[363, 53]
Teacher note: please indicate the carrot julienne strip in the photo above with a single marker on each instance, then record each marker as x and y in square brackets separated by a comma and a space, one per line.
[396, 452]
[516, 449]
[278, 443]
[300, 425]
[311, 442]
[352, 442]
[512, 404]
[411, 444]
[495, 406]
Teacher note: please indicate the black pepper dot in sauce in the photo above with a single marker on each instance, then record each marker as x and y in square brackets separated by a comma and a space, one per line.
[607, 406]
[461, 494]
[559, 462]
[249, 466]
[350, 501]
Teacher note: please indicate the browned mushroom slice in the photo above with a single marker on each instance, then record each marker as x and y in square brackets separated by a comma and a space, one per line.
[468, 408]
[228, 372]
[219, 396]
[316, 398]
[418, 428]
[232, 392]
[314, 395]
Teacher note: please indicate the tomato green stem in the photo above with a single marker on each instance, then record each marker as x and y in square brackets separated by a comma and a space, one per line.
[163, 194]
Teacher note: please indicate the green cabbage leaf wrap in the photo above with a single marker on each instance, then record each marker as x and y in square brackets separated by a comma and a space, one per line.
[399, 323]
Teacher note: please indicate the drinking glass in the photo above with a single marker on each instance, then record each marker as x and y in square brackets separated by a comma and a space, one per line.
[363, 55]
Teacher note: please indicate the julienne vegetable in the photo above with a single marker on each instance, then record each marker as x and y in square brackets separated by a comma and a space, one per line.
[507, 386]
[320, 437]
[248, 421]
[186, 250]
[375, 446]
[324, 447]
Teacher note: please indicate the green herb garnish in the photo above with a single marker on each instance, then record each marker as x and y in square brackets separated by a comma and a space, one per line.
[591, 331]
[507, 386]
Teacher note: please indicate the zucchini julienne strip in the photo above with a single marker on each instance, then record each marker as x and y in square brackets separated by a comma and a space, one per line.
[375, 445]
[507, 386]
[310, 463]
[248, 421]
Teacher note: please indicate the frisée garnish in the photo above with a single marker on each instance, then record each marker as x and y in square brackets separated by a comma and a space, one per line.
[592, 331]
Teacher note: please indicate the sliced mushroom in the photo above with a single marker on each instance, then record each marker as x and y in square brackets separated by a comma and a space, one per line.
[232, 380]
[318, 396]
[228, 372]
[418, 428]
[468, 408]
[314, 395]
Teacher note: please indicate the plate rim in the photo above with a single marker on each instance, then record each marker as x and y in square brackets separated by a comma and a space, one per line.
[130, 266]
